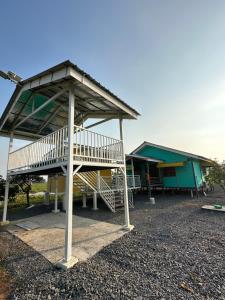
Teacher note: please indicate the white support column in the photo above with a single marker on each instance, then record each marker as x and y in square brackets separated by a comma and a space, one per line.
[95, 205]
[56, 210]
[84, 199]
[4, 217]
[127, 226]
[132, 170]
[68, 260]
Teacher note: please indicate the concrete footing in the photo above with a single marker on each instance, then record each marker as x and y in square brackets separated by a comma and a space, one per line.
[128, 228]
[4, 223]
[65, 265]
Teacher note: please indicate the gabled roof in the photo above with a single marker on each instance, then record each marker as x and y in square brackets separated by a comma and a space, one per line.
[92, 100]
[194, 156]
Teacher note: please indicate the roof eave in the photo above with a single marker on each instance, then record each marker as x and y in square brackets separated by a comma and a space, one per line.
[145, 143]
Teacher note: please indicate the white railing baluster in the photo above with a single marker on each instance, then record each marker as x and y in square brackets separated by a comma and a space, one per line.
[89, 146]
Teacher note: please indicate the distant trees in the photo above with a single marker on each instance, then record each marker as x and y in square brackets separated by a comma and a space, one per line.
[19, 183]
[216, 175]
[2, 187]
[25, 183]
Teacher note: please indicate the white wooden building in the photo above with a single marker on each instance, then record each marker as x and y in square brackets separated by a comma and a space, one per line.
[50, 109]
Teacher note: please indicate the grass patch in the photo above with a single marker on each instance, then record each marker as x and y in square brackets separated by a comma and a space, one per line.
[39, 187]
[20, 201]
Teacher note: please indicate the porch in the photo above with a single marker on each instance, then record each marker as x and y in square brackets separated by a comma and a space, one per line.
[50, 153]
[145, 169]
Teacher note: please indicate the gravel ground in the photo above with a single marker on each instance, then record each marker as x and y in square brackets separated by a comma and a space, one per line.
[176, 251]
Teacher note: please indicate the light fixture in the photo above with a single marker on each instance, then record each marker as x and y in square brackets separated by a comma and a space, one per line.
[10, 76]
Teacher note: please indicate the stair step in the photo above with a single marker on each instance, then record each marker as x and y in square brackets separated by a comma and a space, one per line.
[119, 206]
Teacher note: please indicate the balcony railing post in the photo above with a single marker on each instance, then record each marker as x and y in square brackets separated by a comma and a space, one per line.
[132, 169]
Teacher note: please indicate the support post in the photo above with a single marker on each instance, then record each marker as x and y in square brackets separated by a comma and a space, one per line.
[84, 199]
[68, 260]
[56, 210]
[95, 205]
[148, 181]
[132, 170]
[127, 226]
[195, 179]
[4, 217]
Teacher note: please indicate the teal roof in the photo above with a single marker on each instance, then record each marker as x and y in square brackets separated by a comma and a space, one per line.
[178, 153]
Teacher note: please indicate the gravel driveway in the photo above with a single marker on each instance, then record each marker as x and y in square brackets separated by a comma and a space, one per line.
[176, 251]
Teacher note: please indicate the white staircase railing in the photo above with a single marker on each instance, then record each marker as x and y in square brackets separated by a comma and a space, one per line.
[100, 186]
[111, 191]
[107, 194]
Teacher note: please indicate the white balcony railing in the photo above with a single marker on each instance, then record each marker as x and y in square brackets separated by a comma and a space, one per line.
[53, 148]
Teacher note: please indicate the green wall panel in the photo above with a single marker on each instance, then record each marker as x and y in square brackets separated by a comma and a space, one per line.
[184, 175]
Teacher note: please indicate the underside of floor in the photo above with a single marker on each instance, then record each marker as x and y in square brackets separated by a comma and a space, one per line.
[57, 169]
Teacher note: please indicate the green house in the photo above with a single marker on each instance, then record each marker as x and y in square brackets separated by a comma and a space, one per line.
[166, 167]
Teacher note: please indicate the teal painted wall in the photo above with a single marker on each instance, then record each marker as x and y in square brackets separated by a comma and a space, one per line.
[198, 173]
[161, 154]
[184, 175]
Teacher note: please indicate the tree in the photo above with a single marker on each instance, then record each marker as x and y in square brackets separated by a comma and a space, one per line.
[13, 189]
[37, 178]
[216, 175]
[25, 183]
[2, 187]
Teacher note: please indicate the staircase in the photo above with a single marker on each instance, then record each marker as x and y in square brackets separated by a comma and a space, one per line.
[111, 191]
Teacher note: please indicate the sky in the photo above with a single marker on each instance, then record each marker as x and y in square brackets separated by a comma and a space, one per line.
[164, 58]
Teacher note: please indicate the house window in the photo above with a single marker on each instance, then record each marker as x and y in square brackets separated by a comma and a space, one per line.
[169, 172]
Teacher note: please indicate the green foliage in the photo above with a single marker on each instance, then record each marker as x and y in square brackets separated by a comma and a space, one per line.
[21, 201]
[37, 179]
[13, 190]
[216, 175]
[39, 187]
[24, 183]
[2, 187]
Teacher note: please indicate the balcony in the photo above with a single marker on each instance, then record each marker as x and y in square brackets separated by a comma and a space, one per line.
[90, 149]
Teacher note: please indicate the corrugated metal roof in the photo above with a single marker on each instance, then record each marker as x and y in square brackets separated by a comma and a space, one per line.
[92, 101]
[82, 72]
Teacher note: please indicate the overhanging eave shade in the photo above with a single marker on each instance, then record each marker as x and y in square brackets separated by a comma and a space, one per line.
[168, 165]
[145, 158]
